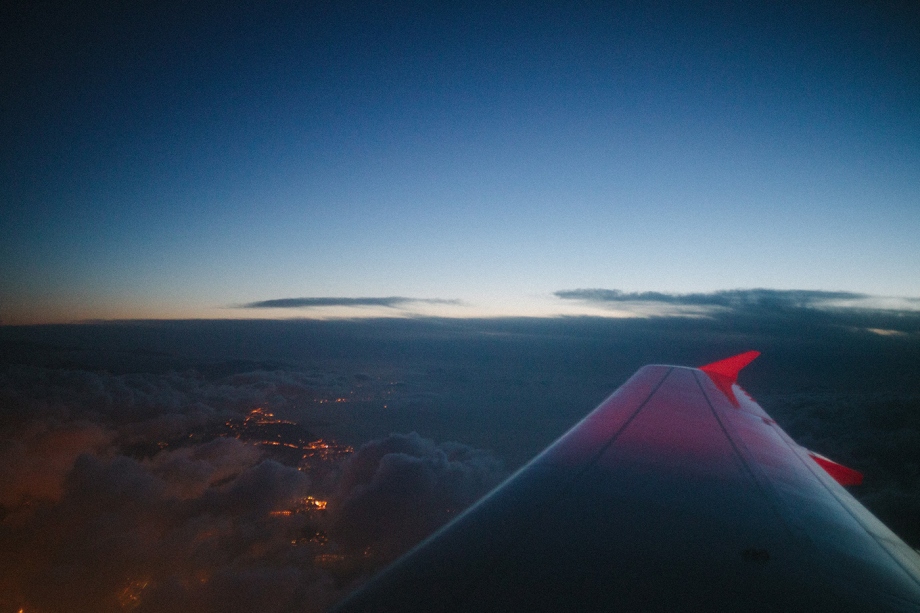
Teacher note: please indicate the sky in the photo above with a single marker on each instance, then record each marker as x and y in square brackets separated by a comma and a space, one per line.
[195, 160]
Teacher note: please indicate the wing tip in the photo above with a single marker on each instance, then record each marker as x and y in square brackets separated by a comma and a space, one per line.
[724, 373]
[730, 367]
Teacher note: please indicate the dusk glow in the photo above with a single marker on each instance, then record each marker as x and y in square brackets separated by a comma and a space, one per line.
[177, 161]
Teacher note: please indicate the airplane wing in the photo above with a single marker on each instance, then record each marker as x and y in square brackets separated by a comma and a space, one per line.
[678, 493]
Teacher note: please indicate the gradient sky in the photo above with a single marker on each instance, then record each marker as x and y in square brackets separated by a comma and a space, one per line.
[184, 159]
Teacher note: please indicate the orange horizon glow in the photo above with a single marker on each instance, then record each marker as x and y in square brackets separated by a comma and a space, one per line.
[48, 311]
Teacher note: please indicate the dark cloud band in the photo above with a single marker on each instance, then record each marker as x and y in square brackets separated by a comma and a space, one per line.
[726, 298]
[300, 303]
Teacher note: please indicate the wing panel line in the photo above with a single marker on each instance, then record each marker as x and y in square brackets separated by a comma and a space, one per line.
[623, 427]
[504, 556]
[760, 480]
[775, 499]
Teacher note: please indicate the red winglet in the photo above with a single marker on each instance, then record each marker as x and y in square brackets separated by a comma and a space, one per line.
[841, 474]
[730, 367]
[724, 373]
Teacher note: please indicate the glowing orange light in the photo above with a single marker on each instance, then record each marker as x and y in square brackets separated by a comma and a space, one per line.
[328, 558]
[130, 597]
[312, 502]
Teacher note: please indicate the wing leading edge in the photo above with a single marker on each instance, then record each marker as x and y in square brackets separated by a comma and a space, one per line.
[677, 493]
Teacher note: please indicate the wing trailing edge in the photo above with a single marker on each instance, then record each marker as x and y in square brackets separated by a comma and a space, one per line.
[724, 374]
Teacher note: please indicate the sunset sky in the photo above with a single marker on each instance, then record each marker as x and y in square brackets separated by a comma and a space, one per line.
[176, 160]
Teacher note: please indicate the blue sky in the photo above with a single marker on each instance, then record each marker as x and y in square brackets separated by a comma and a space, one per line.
[177, 161]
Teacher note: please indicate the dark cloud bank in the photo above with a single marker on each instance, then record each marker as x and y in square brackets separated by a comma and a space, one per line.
[768, 299]
[302, 303]
[104, 508]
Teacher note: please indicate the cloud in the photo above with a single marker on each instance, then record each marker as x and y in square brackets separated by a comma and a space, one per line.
[199, 528]
[116, 495]
[759, 307]
[34, 464]
[734, 299]
[118, 535]
[300, 303]
[137, 402]
[188, 472]
[395, 491]
[87, 524]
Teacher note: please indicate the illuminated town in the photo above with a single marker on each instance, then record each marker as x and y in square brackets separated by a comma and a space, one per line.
[286, 441]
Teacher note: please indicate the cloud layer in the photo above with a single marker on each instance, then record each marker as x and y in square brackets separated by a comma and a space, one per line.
[103, 507]
[115, 497]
